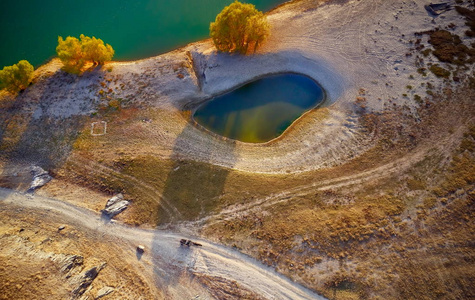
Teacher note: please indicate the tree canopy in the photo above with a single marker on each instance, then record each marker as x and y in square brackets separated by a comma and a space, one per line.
[17, 77]
[75, 53]
[70, 53]
[239, 26]
[95, 50]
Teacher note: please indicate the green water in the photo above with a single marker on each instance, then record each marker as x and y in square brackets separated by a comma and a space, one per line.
[135, 28]
[261, 110]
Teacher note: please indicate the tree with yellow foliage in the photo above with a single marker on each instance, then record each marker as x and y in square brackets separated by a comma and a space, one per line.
[95, 50]
[71, 54]
[239, 26]
[75, 53]
[17, 77]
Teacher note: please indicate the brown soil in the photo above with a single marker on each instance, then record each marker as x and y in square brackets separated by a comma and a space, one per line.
[391, 216]
[31, 245]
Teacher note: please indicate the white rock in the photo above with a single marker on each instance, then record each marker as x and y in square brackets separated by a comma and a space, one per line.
[116, 208]
[104, 292]
[114, 200]
[40, 178]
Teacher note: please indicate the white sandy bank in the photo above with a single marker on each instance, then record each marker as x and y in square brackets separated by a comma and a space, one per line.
[346, 46]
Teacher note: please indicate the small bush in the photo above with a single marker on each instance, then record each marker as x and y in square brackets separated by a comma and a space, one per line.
[430, 202]
[470, 18]
[418, 99]
[449, 48]
[426, 52]
[17, 77]
[422, 71]
[416, 184]
[439, 71]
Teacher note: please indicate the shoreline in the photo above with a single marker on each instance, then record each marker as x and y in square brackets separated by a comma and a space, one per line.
[196, 106]
[354, 199]
[346, 55]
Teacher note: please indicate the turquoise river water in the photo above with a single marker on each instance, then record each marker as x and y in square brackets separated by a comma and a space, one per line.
[135, 28]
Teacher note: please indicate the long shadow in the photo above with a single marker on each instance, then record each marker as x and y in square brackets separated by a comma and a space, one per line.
[193, 189]
[30, 136]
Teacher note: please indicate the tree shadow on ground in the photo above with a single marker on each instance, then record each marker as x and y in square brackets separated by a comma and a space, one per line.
[30, 135]
[200, 195]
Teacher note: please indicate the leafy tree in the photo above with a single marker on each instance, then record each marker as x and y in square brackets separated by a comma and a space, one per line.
[257, 29]
[75, 53]
[70, 52]
[17, 77]
[95, 50]
[239, 26]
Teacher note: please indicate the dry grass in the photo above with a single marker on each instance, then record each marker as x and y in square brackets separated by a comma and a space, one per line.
[32, 280]
[223, 289]
[347, 243]
[400, 237]
[29, 270]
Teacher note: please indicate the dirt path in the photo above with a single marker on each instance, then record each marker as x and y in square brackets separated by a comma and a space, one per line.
[163, 250]
[395, 167]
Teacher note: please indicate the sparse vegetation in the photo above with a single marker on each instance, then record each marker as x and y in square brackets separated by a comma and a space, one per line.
[449, 48]
[426, 52]
[422, 71]
[470, 17]
[439, 71]
[394, 221]
[418, 99]
[238, 27]
[339, 227]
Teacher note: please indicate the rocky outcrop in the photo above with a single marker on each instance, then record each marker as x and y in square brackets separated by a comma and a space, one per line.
[70, 262]
[115, 205]
[84, 281]
[104, 292]
[40, 178]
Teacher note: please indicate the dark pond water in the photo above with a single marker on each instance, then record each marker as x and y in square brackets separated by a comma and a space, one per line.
[261, 110]
[135, 28]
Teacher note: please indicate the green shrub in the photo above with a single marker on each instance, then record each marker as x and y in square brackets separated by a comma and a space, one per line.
[239, 26]
[70, 53]
[74, 53]
[426, 52]
[17, 77]
[439, 71]
[422, 71]
[95, 50]
[418, 99]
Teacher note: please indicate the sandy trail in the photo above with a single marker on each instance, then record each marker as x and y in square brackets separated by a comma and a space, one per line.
[378, 172]
[166, 254]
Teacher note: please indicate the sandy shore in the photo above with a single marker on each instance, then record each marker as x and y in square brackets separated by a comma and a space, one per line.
[352, 48]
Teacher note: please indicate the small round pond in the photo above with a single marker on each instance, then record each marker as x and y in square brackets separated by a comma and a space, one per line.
[260, 110]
